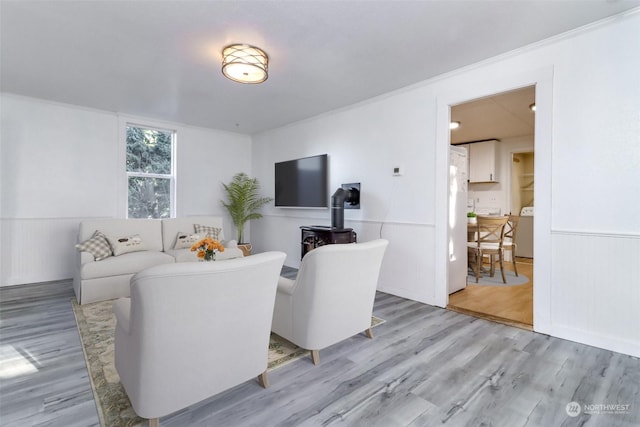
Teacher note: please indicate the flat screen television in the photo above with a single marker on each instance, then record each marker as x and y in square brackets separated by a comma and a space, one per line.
[302, 183]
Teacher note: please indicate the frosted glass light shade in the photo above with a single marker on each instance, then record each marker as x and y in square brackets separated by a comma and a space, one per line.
[245, 64]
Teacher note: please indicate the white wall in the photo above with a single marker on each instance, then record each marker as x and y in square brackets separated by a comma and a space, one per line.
[61, 164]
[587, 178]
[364, 144]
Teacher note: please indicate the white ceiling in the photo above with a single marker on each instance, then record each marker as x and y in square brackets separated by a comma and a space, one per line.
[504, 115]
[161, 59]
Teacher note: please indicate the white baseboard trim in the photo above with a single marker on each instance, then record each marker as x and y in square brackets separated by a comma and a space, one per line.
[31, 279]
[597, 340]
[404, 293]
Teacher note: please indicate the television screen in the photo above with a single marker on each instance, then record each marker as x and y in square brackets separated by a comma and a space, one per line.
[302, 183]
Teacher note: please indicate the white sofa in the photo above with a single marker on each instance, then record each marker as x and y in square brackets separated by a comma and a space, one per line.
[109, 278]
[192, 330]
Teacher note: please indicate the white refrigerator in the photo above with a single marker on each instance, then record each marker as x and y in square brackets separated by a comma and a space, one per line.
[458, 170]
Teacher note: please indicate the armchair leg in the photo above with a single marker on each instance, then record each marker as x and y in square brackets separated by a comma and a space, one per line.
[513, 258]
[263, 379]
[154, 422]
[369, 332]
[315, 357]
[504, 279]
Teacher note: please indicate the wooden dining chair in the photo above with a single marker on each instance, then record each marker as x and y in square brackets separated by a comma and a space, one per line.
[489, 242]
[509, 244]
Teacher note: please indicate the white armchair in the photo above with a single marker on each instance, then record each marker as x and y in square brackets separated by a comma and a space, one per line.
[332, 296]
[192, 330]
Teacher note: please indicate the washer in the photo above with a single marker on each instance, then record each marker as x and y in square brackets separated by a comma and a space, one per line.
[524, 238]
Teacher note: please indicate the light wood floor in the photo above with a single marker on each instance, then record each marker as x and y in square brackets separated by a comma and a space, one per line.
[512, 305]
[425, 366]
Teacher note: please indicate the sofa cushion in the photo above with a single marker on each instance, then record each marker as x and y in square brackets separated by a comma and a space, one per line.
[129, 263]
[97, 245]
[185, 240]
[124, 244]
[207, 231]
[184, 255]
[172, 226]
[150, 230]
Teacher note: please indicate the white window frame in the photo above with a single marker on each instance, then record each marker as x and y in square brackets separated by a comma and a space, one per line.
[172, 177]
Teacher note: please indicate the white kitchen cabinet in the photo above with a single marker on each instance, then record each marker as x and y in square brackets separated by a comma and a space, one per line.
[482, 161]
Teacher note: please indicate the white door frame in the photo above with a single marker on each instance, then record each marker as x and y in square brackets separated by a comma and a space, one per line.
[466, 91]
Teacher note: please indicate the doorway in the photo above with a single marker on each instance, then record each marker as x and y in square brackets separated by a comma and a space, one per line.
[498, 132]
[474, 85]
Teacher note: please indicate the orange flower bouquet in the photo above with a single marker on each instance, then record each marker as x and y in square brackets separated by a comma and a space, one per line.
[207, 249]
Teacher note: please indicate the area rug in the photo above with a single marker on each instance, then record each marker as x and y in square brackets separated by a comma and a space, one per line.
[96, 324]
[496, 280]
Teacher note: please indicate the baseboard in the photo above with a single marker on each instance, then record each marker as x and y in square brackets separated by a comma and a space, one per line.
[404, 293]
[33, 279]
[597, 340]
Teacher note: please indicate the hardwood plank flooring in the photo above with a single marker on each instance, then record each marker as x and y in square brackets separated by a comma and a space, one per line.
[512, 305]
[425, 366]
[44, 378]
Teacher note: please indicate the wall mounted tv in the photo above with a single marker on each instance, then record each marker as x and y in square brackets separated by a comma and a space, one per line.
[302, 183]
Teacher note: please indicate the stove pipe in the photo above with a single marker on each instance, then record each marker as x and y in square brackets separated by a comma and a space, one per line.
[337, 208]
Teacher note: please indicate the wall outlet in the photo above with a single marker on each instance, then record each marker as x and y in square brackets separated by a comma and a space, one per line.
[398, 171]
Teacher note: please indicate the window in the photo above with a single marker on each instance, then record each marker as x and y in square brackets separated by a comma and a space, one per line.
[150, 172]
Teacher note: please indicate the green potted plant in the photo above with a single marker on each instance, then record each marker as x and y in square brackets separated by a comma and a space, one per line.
[472, 217]
[243, 203]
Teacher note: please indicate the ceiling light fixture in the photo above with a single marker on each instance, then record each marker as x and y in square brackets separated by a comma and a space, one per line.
[532, 107]
[454, 125]
[245, 64]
